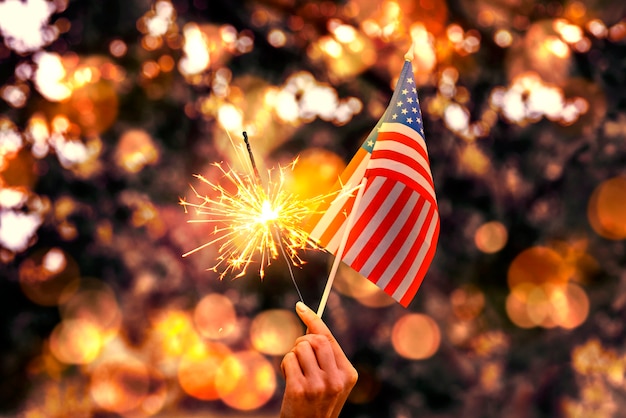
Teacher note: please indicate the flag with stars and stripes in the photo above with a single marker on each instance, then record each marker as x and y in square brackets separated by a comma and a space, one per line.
[396, 226]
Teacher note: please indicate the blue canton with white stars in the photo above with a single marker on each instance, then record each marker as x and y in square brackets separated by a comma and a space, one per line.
[404, 107]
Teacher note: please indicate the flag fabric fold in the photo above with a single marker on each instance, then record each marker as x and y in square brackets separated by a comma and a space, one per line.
[394, 235]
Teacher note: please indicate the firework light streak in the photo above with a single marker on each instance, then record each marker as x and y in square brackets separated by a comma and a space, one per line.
[252, 223]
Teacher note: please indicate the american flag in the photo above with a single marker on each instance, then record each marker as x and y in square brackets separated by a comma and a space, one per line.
[394, 234]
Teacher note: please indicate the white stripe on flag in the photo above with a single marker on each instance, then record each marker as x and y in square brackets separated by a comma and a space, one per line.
[397, 226]
[404, 130]
[333, 244]
[405, 170]
[395, 264]
[391, 145]
[381, 212]
[401, 290]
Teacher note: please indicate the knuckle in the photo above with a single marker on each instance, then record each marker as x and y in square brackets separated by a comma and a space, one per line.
[300, 340]
[296, 391]
[289, 357]
[352, 376]
[316, 389]
[302, 346]
[315, 340]
[335, 387]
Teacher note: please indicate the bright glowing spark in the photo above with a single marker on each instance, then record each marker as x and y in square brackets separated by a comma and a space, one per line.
[249, 219]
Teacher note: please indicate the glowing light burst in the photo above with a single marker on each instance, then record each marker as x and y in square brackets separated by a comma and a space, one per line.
[251, 221]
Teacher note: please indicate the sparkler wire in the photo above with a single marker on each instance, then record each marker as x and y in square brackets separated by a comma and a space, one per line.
[275, 229]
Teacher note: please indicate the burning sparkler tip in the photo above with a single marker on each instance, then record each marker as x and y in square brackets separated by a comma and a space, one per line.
[252, 223]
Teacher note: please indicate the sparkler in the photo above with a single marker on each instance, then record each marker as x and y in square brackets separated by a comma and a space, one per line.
[253, 223]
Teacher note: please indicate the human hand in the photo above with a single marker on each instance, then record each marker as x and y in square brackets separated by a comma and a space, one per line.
[319, 376]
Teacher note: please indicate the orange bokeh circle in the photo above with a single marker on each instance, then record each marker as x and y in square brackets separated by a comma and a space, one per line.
[416, 336]
[198, 367]
[607, 209]
[245, 380]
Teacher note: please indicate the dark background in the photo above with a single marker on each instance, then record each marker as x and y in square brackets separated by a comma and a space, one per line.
[536, 176]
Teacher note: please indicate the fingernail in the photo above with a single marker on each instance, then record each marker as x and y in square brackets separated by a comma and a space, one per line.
[301, 307]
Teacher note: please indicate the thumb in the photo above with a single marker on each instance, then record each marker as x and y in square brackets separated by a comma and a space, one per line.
[313, 322]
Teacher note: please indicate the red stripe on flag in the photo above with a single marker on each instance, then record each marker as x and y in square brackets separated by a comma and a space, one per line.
[392, 174]
[406, 160]
[403, 139]
[410, 258]
[392, 250]
[415, 285]
[385, 224]
[371, 207]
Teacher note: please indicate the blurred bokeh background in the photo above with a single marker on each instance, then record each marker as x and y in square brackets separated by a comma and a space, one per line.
[108, 108]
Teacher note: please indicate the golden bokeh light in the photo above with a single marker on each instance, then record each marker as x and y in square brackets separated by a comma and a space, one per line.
[17, 169]
[245, 380]
[84, 87]
[586, 107]
[390, 20]
[21, 214]
[538, 265]
[274, 331]
[491, 237]
[571, 306]
[46, 274]
[315, 173]
[416, 336]
[93, 106]
[135, 150]
[593, 359]
[104, 110]
[93, 301]
[503, 38]
[173, 332]
[50, 76]
[150, 69]
[11, 141]
[516, 308]
[215, 317]
[539, 305]
[277, 38]
[606, 210]
[120, 385]
[491, 376]
[547, 305]
[166, 63]
[76, 341]
[467, 302]
[208, 46]
[118, 48]
[198, 367]
[346, 51]
[25, 25]
[236, 111]
[471, 158]
[544, 52]
[302, 98]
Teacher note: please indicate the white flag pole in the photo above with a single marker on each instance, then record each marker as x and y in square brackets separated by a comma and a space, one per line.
[342, 246]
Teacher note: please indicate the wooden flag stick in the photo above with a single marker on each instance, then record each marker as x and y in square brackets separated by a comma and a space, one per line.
[342, 246]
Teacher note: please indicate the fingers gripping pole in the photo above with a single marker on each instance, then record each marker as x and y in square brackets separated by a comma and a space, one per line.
[342, 246]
